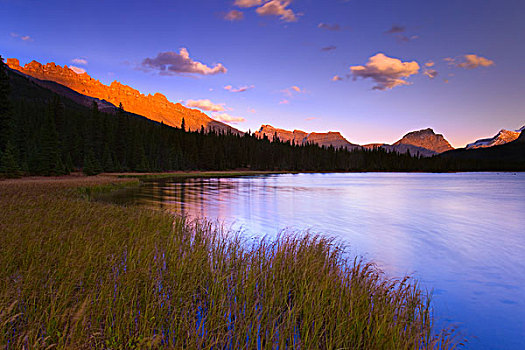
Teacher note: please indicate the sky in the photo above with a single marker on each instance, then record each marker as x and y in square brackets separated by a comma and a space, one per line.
[373, 70]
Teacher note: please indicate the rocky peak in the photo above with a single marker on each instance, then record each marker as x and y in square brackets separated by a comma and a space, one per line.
[427, 139]
[12, 62]
[501, 138]
[300, 137]
[155, 107]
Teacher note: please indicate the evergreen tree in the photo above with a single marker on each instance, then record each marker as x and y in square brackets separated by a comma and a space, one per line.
[108, 164]
[5, 118]
[49, 159]
[8, 164]
[183, 125]
[91, 164]
[121, 138]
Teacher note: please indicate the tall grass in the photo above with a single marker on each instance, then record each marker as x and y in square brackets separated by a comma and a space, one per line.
[76, 274]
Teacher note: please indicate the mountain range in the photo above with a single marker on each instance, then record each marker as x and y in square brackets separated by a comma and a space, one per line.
[299, 137]
[83, 89]
[155, 107]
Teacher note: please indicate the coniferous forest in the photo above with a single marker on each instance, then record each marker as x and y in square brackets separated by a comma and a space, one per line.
[42, 133]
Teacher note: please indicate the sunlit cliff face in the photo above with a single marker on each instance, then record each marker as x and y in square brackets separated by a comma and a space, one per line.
[155, 107]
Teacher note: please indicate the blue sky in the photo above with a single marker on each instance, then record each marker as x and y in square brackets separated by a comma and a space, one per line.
[276, 51]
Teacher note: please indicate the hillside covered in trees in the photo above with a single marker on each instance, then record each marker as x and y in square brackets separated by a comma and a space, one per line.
[42, 133]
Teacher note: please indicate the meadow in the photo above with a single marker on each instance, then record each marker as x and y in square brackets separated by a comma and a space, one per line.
[79, 274]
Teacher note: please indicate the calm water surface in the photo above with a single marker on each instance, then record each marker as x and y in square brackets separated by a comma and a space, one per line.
[462, 235]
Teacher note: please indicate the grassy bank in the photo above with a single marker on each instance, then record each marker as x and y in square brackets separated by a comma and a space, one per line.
[76, 274]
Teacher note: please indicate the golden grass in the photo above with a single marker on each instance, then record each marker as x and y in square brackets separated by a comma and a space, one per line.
[76, 274]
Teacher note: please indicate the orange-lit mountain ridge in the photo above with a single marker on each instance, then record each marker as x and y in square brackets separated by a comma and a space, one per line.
[155, 107]
[299, 137]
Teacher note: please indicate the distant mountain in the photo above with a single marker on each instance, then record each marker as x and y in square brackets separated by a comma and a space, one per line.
[299, 137]
[424, 142]
[501, 138]
[511, 152]
[155, 107]
[426, 139]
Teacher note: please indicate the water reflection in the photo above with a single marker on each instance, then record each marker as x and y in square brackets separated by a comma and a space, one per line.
[461, 234]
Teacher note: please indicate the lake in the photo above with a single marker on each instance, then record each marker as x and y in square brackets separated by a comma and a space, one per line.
[461, 235]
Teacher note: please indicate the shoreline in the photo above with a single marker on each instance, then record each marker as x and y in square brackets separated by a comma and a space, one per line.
[103, 261]
[104, 178]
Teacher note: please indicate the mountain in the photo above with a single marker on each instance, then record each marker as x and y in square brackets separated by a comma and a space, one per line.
[426, 139]
[299, 137]
[501, 138]
[424, 142]
[155, 107]
[512, 152]
[521, 138]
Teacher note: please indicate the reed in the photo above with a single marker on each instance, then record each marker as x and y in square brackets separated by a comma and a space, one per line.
[76, 274]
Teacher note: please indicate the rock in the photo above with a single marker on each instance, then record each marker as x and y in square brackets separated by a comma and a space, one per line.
[300, 137]
[425, 139]
[12, 62]
[423, 142]
[501, 138]
[155, 107]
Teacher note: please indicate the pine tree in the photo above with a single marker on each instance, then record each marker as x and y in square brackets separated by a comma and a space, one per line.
[91, 164]
[5, 117]
[183, 124]
[121, 138]
[108, 164]
[8, 164]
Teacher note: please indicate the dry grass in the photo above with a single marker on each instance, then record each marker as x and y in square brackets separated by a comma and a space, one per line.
[76, 274]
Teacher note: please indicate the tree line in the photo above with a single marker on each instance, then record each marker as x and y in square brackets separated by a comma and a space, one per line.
[42, 133]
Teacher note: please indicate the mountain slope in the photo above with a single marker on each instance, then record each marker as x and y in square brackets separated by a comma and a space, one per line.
[299, 137]
[155, 107]
[424, 142]
[427, 139]
[501, 138]
[510, 152]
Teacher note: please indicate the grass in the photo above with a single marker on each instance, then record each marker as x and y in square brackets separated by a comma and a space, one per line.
[76, 274]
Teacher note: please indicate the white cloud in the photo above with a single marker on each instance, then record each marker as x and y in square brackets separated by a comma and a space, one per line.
[284, 102]
[171, 63]
[225, 117]
[387, 72]
[205, 105]
[277, 8]
[474, 61]
[77, 70]
[234, 15]
[337, 78]
[240, 89]
[80, 61]
[247, 3]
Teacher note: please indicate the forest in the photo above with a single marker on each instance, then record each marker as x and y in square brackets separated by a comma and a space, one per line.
[42, 133]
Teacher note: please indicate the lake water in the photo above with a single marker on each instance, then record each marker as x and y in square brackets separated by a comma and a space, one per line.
[462, 235]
